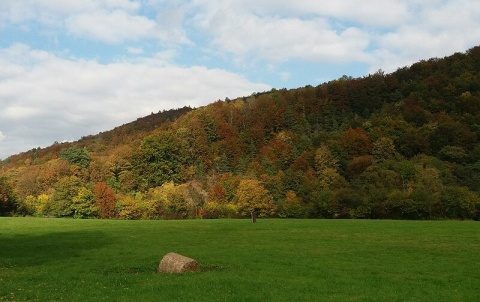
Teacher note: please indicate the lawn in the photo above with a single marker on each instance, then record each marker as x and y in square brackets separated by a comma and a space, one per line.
[271, 260]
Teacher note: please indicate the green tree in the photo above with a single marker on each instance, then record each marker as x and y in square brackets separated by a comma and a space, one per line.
[459, 203]
[383, 149]
[292, 207]
[76, 156]
[453, 154]
[65, 190]
[159, 159]
[427, 192]
[326, 166]
[83, 205]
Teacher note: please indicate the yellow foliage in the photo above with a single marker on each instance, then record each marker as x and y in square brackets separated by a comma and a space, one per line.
[215, 210]
[324, 159]
[169, 201]
[42, 204]
[31, 204]
[251, 196]
[328, 177]
[129, 208]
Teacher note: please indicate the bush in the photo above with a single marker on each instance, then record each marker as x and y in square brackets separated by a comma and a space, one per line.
[215, 210]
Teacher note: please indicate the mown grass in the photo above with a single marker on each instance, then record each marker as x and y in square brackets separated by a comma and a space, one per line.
[271, 260]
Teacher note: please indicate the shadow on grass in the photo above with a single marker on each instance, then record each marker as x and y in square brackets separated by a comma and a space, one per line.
[212, 268]
[30, 250]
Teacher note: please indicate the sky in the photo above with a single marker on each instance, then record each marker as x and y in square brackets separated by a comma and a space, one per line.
[74, 68]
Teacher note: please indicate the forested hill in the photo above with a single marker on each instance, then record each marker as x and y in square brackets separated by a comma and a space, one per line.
[403, 145]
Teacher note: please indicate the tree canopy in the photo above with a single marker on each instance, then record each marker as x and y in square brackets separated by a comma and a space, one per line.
[403, 145]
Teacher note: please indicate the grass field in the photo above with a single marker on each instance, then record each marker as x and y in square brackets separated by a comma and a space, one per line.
[271, 260]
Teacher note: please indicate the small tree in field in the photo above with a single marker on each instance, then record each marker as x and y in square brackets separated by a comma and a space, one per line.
[105, 200]
[251, 196]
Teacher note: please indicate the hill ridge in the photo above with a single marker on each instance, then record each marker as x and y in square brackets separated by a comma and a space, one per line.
[398, 145]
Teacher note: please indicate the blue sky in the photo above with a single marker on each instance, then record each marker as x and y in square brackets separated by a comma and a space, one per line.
[75, 68]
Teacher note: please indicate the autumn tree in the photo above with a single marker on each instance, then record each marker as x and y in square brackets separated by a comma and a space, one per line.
[326, 166]
[168, 201]
[176, 205]
[105, 200]
[325, 159]
[383, 149]
[129, 207]
[292, 206]
[7, 197]
[27, 206]
[356, 142]
[251, 196]
[358, 164]
[27, 184]
[221, 193]
[43, 204]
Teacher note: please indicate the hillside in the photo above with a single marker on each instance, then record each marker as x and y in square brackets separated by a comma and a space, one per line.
[403, 145]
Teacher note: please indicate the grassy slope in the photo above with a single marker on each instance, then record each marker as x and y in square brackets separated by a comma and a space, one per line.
[278, 260]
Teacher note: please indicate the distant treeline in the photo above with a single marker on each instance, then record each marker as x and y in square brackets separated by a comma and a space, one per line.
[403, 145]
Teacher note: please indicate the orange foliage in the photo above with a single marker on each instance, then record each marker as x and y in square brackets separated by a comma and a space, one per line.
[359, 164]
[356, 142]
[105, 200]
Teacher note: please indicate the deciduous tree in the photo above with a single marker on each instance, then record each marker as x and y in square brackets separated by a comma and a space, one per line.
[252, 196]
[7, 197]
[105, 200]
[356, 142]
[76, 156]
[83, 205]
[158, 160]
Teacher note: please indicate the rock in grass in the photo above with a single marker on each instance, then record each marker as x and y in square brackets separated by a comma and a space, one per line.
[175, 263]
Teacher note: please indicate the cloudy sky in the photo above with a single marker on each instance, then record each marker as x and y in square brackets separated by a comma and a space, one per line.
[74, 68]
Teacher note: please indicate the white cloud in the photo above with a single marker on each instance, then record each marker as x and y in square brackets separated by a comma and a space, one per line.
[2, 136]
[12, 11]
[380, 33]
[269, 30]
[245, 34]
[134, 50]
[111, 27]
[436, 29]
[36, 8]
[109, 21]
[48, 98]
[372, 12]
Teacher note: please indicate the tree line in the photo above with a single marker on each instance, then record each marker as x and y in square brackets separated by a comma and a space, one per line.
[399, 146]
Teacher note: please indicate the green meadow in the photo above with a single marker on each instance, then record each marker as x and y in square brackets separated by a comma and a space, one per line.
[271, 260]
